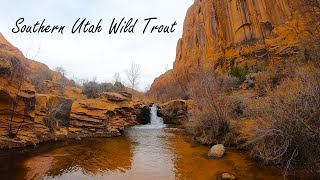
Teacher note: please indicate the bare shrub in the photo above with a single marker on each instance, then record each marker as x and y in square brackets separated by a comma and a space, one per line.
[106, 87]
[209, 121]
[237, 107]
[118, 86]
[39, 77]
[309, 12]
[289, 132]
[271, 79]
[18, 76]
[61, 70]
[90, 88]
[51, 120]
[117, 83]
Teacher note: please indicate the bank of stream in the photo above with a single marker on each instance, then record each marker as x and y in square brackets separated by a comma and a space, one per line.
[153, 151]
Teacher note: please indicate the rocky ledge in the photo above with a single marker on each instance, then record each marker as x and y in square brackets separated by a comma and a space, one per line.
[28, 117]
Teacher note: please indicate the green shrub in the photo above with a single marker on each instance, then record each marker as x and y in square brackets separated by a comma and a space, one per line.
[240, 73]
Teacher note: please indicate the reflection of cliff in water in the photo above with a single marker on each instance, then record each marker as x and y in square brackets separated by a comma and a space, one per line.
[89, 157]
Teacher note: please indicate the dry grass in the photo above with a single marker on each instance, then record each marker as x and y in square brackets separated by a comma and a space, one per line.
[289, 127]
[209, 121]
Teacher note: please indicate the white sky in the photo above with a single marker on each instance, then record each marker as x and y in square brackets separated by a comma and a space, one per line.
[97, 55]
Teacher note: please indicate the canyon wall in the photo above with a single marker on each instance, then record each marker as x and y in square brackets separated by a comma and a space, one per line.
[222, 34]
[28, 117]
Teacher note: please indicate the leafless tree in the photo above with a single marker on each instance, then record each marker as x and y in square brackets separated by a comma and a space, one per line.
[61, 70]
[133, 74]
[116, 78]
[20, 76]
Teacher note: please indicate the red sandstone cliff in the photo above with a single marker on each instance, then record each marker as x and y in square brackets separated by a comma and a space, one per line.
[28, 116]
[222, 34]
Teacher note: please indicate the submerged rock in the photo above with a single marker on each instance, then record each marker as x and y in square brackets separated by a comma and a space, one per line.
[227, 176]
[217, 151]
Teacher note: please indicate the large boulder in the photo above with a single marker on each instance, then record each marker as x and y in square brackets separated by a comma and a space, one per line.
[217, 151]
[174, 112]
[143, 113]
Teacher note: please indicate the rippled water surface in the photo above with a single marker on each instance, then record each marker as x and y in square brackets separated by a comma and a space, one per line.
[141, 153]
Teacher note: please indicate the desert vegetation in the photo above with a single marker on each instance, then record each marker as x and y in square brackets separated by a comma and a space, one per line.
[288, 128]
[284, 104]
[16, 122]
[133, 74]
[92, 88]
[209, 122]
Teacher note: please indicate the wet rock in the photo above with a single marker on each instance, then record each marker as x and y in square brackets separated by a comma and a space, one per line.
[227, 176]
[143, 114]
[217, 151]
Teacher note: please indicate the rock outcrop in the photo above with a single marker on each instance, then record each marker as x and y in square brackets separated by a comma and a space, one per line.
[222, 35]
[175, 112]
[61, 111]
[97, 117]
[143, 113]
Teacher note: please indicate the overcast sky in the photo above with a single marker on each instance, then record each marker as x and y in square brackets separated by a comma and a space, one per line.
[97, 55]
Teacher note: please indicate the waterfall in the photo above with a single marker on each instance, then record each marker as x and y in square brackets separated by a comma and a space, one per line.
[155, 121]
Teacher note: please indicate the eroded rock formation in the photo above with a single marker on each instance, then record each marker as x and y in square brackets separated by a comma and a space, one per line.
[28, 117]
[222, 34]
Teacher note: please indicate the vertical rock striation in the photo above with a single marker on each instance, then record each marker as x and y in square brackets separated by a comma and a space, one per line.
[221, 34]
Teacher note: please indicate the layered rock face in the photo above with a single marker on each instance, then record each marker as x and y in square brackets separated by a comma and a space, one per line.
[28, 117]
[222, 34]
[17, 95]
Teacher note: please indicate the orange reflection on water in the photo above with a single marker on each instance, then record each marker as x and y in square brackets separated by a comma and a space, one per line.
[141, 153]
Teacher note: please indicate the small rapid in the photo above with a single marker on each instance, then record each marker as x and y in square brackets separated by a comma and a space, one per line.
[156, 122]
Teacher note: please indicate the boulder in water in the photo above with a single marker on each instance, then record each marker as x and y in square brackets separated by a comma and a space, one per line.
[217, 151]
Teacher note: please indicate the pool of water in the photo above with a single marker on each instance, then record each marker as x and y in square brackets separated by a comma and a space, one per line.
[142, 152]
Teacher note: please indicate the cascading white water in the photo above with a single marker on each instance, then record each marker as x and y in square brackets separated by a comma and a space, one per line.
[155, 121]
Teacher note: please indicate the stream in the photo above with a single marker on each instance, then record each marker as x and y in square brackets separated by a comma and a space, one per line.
[153, 151]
